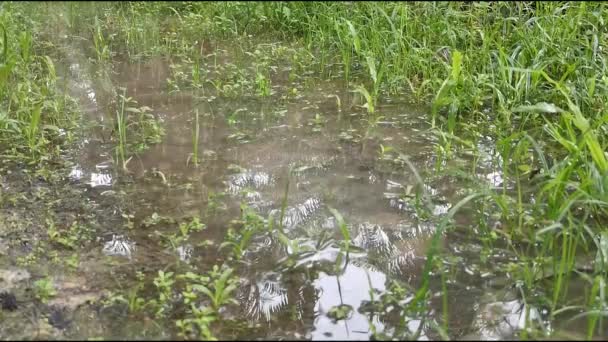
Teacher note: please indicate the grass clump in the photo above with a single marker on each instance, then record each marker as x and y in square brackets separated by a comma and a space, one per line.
[36, 118]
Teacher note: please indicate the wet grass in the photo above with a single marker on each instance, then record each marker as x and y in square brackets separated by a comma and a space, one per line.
[36, 117]
[528, 75]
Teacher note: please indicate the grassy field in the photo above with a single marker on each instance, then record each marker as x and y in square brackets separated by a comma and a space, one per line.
[529, 76]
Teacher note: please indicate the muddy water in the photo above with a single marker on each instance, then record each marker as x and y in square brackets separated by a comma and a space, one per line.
[252, 149]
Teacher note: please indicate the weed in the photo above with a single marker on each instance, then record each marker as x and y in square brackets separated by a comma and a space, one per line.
[263, 84]
[101, 47]
[239, 241]
[185, 230]
[71, 238]
[220, 287]
[195, 139]
[163, 283]
[143, 127]
[134, 302]
[44, 289]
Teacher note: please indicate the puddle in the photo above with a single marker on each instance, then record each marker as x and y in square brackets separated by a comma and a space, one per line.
[251, 149]
[251, 161]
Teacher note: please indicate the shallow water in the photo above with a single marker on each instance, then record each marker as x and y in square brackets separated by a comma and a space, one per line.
[251, 148]
[273, 136]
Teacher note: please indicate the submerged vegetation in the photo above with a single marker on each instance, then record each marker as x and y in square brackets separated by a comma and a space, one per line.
[513, 98]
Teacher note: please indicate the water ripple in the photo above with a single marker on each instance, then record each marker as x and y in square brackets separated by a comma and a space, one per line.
[255, 179]
[299, 213]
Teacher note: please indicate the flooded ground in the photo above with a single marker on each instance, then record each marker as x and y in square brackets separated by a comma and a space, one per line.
[325, 152]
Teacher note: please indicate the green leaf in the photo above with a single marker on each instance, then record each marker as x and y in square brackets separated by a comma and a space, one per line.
[591, 87]
[355, 36]
[601, 259]
[370, 104]
[456, 65]
[541, 107]
[133, 110]
[284, 240]
[4, 43]
[203, 289]
[524, 168]
[597, 153]
[51, 66]
[51, 128]
[229, 289]
[371, 64]
[342, 225]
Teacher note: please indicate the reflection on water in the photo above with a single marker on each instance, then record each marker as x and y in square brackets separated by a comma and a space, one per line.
[264, 297]
[352, 287]
[185, 252]
[372, 236]
[298, 214]
[119, 245]
[100, 179]
[76, 173]
[500, 320]
[238, 182]
[495, 178]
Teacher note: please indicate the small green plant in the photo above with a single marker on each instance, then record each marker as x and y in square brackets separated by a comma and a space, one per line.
[185, 229]
[134, 302]
[222, 283]
[32, 131]
[340, 312]
[295, 248]
[70, 238]
[263, 84]
[196, 72]
[384, 152]
[370, 101]
[214, 203]
[376, 72]
[143, 128]
[348, 39]
[346, 243]
[218, 288]
[156, 219]
[450, 93]
[238, 241]
[203, 317]
[164, 284]
[44, 289]
[73, 261]
[102, 49]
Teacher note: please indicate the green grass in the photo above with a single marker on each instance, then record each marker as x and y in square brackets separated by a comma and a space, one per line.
[33, 111]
